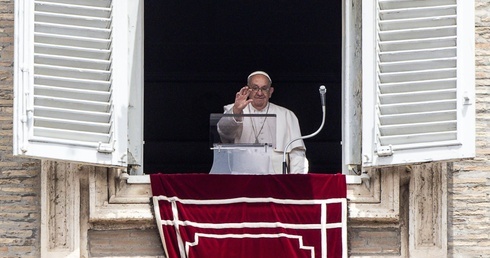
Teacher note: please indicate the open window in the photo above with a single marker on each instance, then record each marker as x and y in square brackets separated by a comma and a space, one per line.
[79, 83]
[199, 54]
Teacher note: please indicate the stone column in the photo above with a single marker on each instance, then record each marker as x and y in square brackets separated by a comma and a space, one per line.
[428, 210]
[60, 210]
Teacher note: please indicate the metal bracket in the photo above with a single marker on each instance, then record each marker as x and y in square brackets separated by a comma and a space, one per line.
[384, 151]
[466, 99]
[366, 179]
[106, 148]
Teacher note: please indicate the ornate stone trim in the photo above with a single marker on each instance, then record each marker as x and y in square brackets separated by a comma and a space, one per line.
[112, 200]
[60, 210]
[378, 200]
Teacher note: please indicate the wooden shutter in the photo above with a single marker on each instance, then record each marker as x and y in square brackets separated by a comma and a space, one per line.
[418, 81]
[71, 81]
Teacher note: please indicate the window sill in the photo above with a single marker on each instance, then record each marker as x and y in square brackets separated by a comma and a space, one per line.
[138, 179]
[145, 179]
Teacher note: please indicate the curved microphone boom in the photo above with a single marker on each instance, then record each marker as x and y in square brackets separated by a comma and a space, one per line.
[323, 91]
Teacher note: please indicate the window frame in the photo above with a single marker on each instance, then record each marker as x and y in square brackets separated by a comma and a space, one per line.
[128, 75]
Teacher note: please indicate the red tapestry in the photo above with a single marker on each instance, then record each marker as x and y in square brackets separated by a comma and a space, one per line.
[226, 216]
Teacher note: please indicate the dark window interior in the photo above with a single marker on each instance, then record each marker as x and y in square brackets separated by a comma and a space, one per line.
[199, 53]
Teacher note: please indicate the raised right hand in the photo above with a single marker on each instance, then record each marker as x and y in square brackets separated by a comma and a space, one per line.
[241, 100]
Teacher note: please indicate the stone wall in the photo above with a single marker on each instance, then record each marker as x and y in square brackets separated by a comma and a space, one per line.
[19, 178]
[468, 206]
[126, 242]
[469, 184]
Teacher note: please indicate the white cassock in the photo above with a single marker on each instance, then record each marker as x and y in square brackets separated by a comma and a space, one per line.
[261, 130]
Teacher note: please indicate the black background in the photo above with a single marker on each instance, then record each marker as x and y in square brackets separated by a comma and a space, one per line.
[199, 53]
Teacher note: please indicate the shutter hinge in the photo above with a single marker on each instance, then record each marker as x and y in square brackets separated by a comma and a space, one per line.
[106, 148]
[384, 151]
[467, 99]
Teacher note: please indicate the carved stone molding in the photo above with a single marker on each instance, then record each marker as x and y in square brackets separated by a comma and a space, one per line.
[114, 201]
[412, 201]
[122, 192]
[377, 200]
[428, 210]
[60, 210]
[77, 198]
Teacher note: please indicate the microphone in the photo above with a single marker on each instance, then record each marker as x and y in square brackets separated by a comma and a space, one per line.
[323, 91]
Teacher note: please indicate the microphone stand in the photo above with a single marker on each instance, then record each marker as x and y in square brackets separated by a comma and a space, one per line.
[322, 90]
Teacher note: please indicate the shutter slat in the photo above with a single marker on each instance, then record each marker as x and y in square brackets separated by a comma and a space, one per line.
[397, 4]
[88, 53]
[418, 138]
[72, 9]
[64, 40]
[409, 97]
[74, 31]
[422, 117]
[72, 83]
[418, 128]
[386, 88]
[418, 54]
[403, 24]
[68, 114]
[81, 21]
[70, 135]
[417, 75]
[90, 95]
[418, 107]
[71, 104]
[429, 43]
[72, 125]
[417, 12]
[417, 65]
[72, 72]
[84, 3]
[66, 61]
[424, 33]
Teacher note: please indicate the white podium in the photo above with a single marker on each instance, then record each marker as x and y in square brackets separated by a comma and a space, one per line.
[242, 159]
[242, 144]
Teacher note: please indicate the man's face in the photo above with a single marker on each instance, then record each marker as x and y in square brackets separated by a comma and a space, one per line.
[261, 91]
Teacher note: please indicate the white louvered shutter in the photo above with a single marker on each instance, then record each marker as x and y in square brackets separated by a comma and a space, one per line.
[71, 81]
[418, 81]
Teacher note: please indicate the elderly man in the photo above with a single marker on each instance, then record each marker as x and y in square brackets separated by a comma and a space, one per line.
[254, 99]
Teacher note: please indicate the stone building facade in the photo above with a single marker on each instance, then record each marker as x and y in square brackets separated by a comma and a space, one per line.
[54, 209]
[20, 219]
